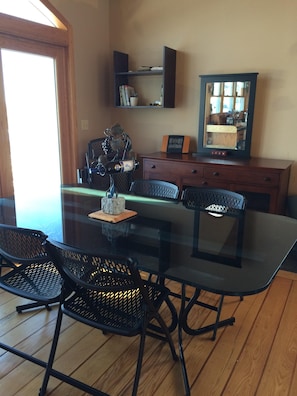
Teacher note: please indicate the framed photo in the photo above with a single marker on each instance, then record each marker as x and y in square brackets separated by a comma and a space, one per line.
[175, 144]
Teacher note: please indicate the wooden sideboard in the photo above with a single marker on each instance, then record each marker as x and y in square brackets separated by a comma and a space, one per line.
[264, 182]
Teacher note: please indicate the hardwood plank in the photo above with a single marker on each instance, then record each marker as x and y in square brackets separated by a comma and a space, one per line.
[255, 356]
[279, 370]
[220, 364]
[252, 360]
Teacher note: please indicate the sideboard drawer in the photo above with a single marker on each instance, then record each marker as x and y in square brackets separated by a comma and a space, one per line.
[155, 165]
[259, 178]
[190, 170]
[159, 170]
[171, 168]
[220, 173]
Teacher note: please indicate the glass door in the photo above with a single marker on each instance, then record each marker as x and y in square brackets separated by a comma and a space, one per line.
[33, 129]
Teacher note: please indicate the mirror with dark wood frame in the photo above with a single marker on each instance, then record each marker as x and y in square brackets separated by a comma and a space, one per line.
[226, 114]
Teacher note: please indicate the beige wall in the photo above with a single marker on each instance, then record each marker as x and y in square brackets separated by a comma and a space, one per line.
[90, 23]
[210, 37]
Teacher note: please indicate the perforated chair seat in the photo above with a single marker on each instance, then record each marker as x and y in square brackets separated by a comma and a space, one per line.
[155, 189]
[123, 312]
[36, 281]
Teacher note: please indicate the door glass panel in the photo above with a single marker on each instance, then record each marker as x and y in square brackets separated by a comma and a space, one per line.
[30, 96]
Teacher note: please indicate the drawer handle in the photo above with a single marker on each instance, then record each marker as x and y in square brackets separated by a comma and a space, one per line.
[204, 183]
[153, 166]
[267, 179]
[194, 171]
[215, 174]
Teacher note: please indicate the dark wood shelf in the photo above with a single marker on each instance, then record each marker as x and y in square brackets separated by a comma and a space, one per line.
[141, 73]
[167, 77]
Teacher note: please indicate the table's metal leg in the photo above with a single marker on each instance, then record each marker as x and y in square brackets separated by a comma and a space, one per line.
[180, 342]
[201, 330]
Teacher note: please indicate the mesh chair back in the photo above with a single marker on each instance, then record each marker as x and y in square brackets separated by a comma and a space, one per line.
[155, 189]
[213, 200]
[103, 275]
[32, 274]
[20, 244]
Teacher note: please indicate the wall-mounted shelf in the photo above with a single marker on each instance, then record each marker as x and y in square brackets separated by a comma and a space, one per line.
[141, 80]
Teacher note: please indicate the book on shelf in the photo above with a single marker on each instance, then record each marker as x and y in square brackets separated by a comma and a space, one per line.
[126, 91]
[122, 95]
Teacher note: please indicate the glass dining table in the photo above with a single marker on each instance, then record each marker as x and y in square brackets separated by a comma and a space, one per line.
[161, 236]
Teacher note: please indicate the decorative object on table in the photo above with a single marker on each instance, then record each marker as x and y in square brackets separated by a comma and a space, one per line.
[112, 218]
[118, 158]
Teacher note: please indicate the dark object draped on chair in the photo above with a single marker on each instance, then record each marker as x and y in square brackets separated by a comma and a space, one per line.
[108, 294]
[155, 189]
[30, 272]
[95, 180]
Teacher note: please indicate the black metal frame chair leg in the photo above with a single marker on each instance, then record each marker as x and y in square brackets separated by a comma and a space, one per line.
[24, 307]
[51, 372]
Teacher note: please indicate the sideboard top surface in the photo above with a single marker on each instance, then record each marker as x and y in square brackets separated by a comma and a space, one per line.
[251, 162]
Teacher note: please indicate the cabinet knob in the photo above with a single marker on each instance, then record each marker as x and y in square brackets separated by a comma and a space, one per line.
[153, 166]
[204, 183]
[215, 173]
[267, 179]
[194, 171]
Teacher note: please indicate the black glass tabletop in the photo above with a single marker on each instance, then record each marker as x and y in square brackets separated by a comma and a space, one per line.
[165, 239]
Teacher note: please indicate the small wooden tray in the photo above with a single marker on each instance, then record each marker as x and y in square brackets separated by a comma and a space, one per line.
[100, 215]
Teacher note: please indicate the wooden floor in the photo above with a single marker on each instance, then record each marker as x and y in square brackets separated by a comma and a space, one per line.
[255, 356]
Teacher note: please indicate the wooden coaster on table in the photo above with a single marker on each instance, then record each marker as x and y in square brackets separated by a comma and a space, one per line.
[100, 215]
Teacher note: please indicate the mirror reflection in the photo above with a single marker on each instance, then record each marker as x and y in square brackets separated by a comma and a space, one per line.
[226, 113]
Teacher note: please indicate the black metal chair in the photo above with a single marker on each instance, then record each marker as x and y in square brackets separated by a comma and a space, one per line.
[108, 294]
[29, 273]
[122, 181]
[155, 189]
[217, 203]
